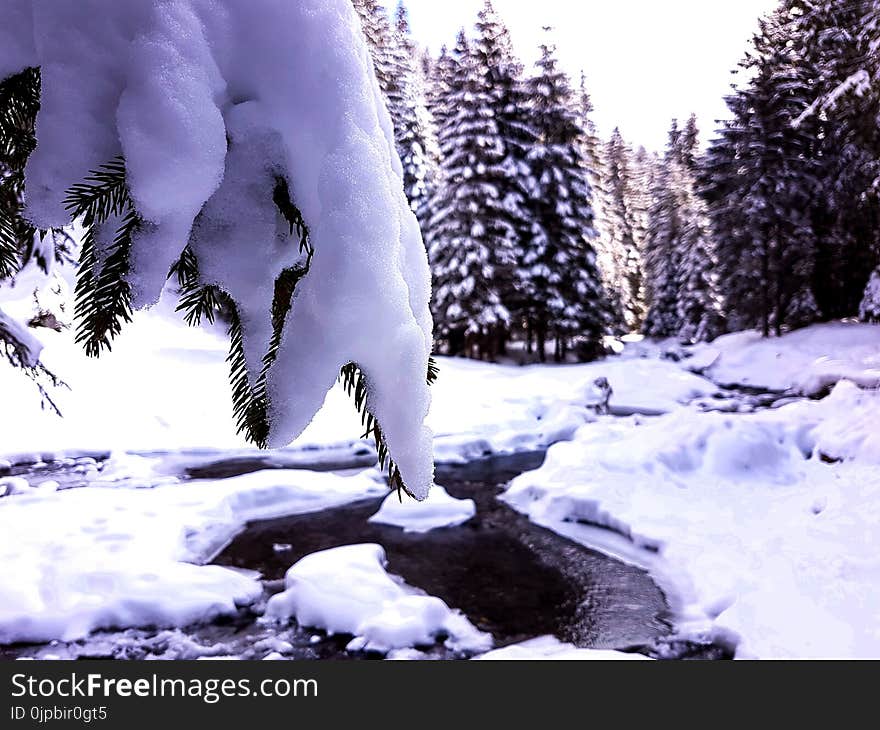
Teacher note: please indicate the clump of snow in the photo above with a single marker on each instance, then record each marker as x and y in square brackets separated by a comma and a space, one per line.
[346, 590]
[83, 559]
[550, 648]
[806, 361]
[760, 541]
[28, 347]
[438, 510]
[191, 94]
[849, 429]
[14, 485]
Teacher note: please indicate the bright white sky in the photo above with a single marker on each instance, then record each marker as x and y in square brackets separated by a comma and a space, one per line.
[646, 61]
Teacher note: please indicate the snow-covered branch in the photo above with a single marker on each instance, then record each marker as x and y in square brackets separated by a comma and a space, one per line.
[210, 105]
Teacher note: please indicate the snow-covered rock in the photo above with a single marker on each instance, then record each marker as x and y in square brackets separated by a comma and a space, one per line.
[438, 510]
[346, 590]
[550, 648]
[14, 485]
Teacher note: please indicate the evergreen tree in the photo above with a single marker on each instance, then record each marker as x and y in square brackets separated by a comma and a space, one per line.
[841, 67]
[592, 155]
[472, 240]
[698, 298]
[688, 144]
[415, 132]
[563, 290]
[510, 108]
[380, 41]
[869, 308]
[620, 254]
[642, 169]
[399, 72]
[761, 181]
[679, 252]
[663, 245]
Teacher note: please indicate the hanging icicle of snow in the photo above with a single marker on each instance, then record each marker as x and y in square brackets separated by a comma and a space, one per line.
[212, 103]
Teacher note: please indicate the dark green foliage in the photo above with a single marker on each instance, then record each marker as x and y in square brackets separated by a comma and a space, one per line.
[251, 403]
[103, 296]
[198, 301]
[355, 383]
[19, 103]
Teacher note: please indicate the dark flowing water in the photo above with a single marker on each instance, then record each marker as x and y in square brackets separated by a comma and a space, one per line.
[511, 578]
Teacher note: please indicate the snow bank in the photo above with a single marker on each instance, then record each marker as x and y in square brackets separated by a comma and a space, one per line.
[212, 103]
[806, 361]
[550, 648]
[481, 409]
[346, 590]
[91, 558]
[762, 546]
[438, 510]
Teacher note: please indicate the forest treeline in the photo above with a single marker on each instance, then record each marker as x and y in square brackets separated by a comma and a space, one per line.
[540, 231]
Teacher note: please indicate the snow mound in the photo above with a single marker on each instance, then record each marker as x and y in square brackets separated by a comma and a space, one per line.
[346, 590]
[190, 93]
[438, 510]
[850, 427]
[807, 361]
[85, 559]
[550, 648]
[761, 543]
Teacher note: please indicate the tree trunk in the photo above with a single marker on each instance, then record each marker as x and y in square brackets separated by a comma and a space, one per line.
[765, 289]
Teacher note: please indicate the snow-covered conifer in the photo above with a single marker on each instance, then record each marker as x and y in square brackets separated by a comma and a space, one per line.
[415, 132]
[509, 106]
[562, 289]
[869, 309]
[679, 255]
[620, 254]
[472, 239]
[762, 178]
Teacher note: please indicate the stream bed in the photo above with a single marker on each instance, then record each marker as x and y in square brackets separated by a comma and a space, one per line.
[510, 577]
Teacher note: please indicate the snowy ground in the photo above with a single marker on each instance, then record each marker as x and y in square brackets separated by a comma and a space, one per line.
[761, 526]
[164, 387]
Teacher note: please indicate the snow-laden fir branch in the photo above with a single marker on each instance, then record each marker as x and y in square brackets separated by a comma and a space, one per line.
[227, 165]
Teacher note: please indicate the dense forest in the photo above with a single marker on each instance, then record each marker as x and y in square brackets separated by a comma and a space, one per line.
[543, 233]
